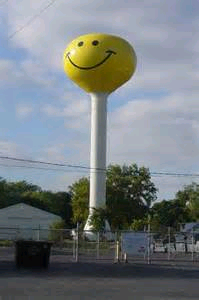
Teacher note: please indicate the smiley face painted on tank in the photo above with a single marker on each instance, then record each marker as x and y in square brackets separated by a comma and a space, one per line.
[95, 43]
[99, 62]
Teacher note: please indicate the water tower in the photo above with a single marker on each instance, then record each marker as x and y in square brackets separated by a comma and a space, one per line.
[99, 64]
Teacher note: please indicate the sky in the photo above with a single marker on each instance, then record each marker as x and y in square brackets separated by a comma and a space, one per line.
[153, 120]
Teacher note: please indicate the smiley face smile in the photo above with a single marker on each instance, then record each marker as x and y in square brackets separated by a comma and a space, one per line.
[110, 52]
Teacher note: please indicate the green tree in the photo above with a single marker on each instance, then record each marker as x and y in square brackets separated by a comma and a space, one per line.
[80, 200]
[189, 197]
[98, 218]
[139, 224]
[11, 192]
[61, 205]
[130, 194]
[58, 225]
[2, 193]
[37, 199]
[169, 213]
[20, 187]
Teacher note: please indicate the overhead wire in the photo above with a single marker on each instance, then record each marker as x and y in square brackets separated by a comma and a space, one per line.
[175, 174]
[27, 76]
[32, 19]
[40, 168]
[48, 163]
[26, 25]
[83, 168]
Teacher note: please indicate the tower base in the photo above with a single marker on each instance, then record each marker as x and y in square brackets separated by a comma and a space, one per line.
[92, 235]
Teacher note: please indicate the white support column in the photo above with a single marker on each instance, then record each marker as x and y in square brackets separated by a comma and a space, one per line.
[98, 152]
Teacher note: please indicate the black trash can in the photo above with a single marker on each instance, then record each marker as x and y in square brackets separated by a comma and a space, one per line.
[32, 254]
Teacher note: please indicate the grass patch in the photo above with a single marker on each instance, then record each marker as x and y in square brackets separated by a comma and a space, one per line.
[6, 243]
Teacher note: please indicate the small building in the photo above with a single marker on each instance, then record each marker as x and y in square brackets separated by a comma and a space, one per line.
[22, 221]
[188, 228]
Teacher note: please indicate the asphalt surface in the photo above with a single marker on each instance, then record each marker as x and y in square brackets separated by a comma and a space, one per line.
[100, 281]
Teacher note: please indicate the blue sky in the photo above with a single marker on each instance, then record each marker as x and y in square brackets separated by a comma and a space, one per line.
[153, 120]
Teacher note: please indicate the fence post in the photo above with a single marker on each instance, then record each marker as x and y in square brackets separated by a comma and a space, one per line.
[116, 247]
[77, 244]
[149, 240]
[117, 252]
[61, 238]
[38, 233]
[192, 253]
[74, 246]
[18, 233]
[98, 244]
[169, 242]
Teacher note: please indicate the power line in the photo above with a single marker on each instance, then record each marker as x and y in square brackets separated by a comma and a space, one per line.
[153, 174]
[176, 174]
[40, 168]
[32, 19]
[49, 163]
[83, 168]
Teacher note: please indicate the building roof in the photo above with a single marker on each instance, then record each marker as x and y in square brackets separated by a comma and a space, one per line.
[190, 226]
[24, 207]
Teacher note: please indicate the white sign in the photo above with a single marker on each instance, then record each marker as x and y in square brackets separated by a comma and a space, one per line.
[134, 243]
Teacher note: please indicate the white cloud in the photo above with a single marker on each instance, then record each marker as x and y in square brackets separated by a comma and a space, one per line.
[38, 73]
[169, 185]
[161, 134]
[9, 73]
[12, 149]
[75, 112]
[54, 153]
[8, 148]
[15, 73]
[23, 110]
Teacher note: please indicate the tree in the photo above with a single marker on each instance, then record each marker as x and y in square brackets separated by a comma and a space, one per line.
[20, 187]
[80, 199]
[13, 191]
[139, 224]
[61, 205]
[58, 225]
[37, 199]
[189, 197]
[98, 218]
[130, 194]
[2, 193]
[169, 214]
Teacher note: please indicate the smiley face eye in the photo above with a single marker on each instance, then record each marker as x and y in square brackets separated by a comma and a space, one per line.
[95, 43]
[80, 44]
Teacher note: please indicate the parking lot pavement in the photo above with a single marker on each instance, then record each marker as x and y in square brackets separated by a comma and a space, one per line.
[88, 281]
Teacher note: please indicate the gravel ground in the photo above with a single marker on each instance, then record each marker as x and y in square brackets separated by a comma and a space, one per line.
[99, 281]
[64, 279]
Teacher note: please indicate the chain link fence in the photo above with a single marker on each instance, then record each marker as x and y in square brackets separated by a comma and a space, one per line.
[74, 245]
